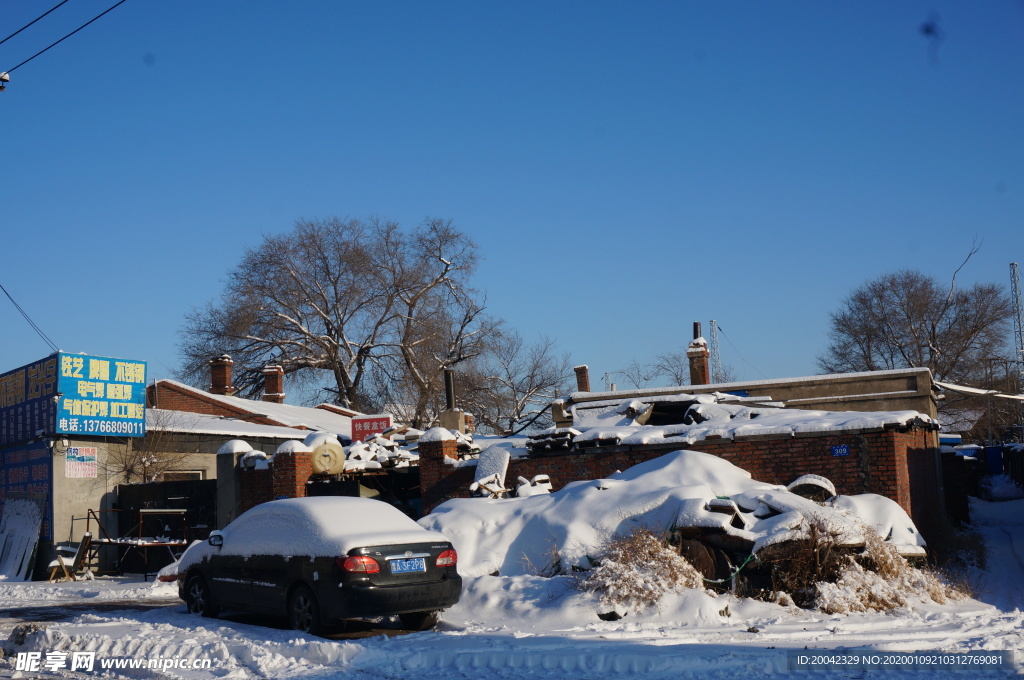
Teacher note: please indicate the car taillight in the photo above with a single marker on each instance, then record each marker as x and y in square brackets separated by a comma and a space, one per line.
[359, 564]
[447, 559]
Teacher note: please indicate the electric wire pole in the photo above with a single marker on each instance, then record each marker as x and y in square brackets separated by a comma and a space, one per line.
[1018, 339]
[716, 356]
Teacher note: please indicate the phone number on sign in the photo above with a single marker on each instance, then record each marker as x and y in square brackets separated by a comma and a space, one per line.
[110, 427]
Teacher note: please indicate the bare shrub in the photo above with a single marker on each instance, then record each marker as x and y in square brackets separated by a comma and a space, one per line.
[637, 569]
[797, 565]
[879, 579]
[819, 570]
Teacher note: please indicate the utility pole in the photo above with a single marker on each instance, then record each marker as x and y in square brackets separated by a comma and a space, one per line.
[716, 356]
[1018, 339]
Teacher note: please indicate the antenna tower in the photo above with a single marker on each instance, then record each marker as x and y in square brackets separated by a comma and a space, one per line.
[1018, 338]
[716, 357]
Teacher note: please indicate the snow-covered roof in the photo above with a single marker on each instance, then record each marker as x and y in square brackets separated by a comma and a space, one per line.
[286, 414]
[712, 416]
[199, 423]
[974, 391]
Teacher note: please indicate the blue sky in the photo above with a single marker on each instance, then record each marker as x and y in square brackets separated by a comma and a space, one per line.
[626, 168]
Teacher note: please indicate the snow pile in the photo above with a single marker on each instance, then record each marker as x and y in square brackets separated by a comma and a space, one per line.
[376, 452]
[234, 446]
[437, 434]
[293, 446]
[254, 460]
[555, 532]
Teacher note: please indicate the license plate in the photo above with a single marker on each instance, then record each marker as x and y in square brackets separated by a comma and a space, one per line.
[409, 566]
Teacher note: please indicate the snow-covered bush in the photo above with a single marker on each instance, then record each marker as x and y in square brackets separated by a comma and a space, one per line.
[637, 570]
[879, 579]
[818, 571]
[797, 565]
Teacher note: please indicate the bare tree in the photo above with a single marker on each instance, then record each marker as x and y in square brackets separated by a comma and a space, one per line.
[513, 381]
[673, 365]
[168, 446]
[335, 300]
[907, 319]
[639, 375]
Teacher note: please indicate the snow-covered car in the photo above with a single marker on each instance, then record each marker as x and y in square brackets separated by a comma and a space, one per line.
[321, 560]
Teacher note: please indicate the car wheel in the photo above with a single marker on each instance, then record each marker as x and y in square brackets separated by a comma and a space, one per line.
[304, 612]
[419, 620]
[197, 597]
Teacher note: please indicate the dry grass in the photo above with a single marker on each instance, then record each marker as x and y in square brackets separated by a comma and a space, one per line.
[816, 571]
[797, 566]
[879, 579]
[636, 570]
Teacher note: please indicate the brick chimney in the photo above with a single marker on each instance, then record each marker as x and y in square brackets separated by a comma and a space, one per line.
[273, 384]
[220, 375]
[698, 354]
[582, 378]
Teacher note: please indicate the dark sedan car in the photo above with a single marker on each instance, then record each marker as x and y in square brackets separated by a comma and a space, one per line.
[321, 560]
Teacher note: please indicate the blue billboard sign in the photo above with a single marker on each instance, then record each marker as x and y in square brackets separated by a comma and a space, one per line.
[27, 401]
[100, 396]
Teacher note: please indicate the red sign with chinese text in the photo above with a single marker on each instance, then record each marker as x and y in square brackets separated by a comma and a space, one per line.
[365, 426]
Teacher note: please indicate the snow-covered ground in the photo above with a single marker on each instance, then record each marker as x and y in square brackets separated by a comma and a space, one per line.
[527, 626]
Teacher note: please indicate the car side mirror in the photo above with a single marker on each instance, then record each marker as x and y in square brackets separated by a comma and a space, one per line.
[216, 539]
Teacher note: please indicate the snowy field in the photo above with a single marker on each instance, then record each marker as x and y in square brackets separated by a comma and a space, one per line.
[526, 626]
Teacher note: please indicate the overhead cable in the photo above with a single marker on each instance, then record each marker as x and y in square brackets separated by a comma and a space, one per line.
[32, 22]
[30, 321]
[54, 44]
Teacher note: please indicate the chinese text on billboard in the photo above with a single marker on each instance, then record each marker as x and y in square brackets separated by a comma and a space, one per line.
[26, 401]
[101, 396]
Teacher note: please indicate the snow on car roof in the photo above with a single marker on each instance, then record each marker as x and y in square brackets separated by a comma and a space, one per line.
[320, 526]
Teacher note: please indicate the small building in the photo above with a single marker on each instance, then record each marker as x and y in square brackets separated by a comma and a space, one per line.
[87, 441]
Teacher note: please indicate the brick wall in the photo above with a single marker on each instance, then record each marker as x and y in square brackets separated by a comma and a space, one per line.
[896, 464]
[257, 486]
[285, 478]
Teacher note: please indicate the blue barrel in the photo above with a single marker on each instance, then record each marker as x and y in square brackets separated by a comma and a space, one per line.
[994, 460]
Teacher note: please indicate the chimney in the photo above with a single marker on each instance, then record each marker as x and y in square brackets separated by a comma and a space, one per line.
[449, 389]
[220, 375]
[582, 378]
[698, 354]
[273, 384]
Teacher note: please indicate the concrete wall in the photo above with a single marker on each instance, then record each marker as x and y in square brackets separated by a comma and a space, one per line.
[73, 497]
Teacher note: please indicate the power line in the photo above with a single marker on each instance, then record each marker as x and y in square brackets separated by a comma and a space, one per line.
[32, 22]
[10, 70]
[30, 321]
[722, 331]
